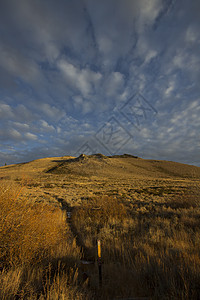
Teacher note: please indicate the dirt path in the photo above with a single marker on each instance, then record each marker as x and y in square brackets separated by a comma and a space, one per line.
[87, 254]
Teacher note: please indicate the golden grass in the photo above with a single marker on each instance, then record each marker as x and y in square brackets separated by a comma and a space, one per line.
[28, 233]
[37, 251]
[96, 211]
[146, 215]
[145, 253]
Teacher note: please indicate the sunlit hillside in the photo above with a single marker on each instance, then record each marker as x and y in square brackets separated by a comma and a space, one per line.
[146, 214]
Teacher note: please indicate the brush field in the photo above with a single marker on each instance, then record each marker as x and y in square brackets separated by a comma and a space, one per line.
[146, 213]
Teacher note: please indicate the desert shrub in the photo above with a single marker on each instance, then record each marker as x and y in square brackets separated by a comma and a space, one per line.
[99, 211]
[146, 253]
[97, 217]
[28, 232]
[40, 283]
[38, 255]
[184, 201]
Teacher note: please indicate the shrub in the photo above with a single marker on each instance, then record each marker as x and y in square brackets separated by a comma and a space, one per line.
[28, 232]
[99, 210]
[184, 201]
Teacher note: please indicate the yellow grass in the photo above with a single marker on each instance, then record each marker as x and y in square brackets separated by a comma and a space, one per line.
[28, 233]
[146, 214]
[145, 254]
[36, 251]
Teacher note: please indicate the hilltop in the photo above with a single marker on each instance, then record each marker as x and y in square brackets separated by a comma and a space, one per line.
[117, 166]
[73, 178]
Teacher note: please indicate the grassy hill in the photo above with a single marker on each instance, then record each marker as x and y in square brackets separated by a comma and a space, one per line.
[145, 212]
[112, 166]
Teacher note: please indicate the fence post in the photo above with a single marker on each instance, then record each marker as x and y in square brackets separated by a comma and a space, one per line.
[99, 261]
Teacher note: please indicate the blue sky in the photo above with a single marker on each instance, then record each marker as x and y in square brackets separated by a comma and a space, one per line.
[109, 76]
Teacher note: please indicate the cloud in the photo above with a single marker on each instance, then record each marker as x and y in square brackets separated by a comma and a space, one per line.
[148, 12]
[66, 67]
[15, 64]
[114, 84]
[6, 111]
[10, 134]
[21, 126]
[46, 127]
[192, 35]
[30, 136]
[84, 80]
[170, 88]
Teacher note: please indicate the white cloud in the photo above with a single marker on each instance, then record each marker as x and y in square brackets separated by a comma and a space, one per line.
[30, 136]
[46, 127]
[192, 35]
[114, 83]
[84, 80]
[170, 88]
[22, 115]
[10, 134]
[51, 111]
[21, 126]
[150, 54]
[186, 61]
[148, 11]
[59, 130]
[78, 100]
[16, 135]
[6, 111]
[87, 107]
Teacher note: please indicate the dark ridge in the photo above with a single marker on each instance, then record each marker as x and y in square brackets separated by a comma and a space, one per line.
[54, 168]
[123, 156]
[82, 158]
[86, 157]
[79, 158]
[98, 155]
[70, 160]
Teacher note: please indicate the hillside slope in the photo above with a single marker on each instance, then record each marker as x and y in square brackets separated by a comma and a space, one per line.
[118, 166]
[123, 166]
[146, 213]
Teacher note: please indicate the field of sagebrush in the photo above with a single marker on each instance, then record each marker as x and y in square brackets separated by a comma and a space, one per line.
[38, 254]
[151, 251]
[148, 225]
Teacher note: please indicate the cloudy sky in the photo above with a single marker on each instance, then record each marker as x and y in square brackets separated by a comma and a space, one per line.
[109, 76]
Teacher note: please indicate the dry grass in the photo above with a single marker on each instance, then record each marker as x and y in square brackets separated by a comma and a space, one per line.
[37, 251]
[146, 253]
[146, 215]
[97, 211]
[28, 233]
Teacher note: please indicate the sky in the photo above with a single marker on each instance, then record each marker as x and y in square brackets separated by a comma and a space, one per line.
[100, 76]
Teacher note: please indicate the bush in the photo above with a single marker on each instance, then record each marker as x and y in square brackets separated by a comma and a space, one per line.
[38, 255]
[184, 201]
[99, 210]
[28, 232]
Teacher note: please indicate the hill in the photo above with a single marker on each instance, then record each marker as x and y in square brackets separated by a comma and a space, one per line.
[117, 166]
[145, 213]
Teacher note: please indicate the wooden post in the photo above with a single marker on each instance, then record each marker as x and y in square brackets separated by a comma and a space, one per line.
[99, 261]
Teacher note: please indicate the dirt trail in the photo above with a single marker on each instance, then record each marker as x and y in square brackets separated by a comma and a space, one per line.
[87, 254]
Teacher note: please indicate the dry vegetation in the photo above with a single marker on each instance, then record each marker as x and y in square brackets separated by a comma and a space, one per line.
[147, 252]
[146, 214]
[37, 253]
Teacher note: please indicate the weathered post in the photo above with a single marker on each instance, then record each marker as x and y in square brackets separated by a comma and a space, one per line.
[99, 261]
